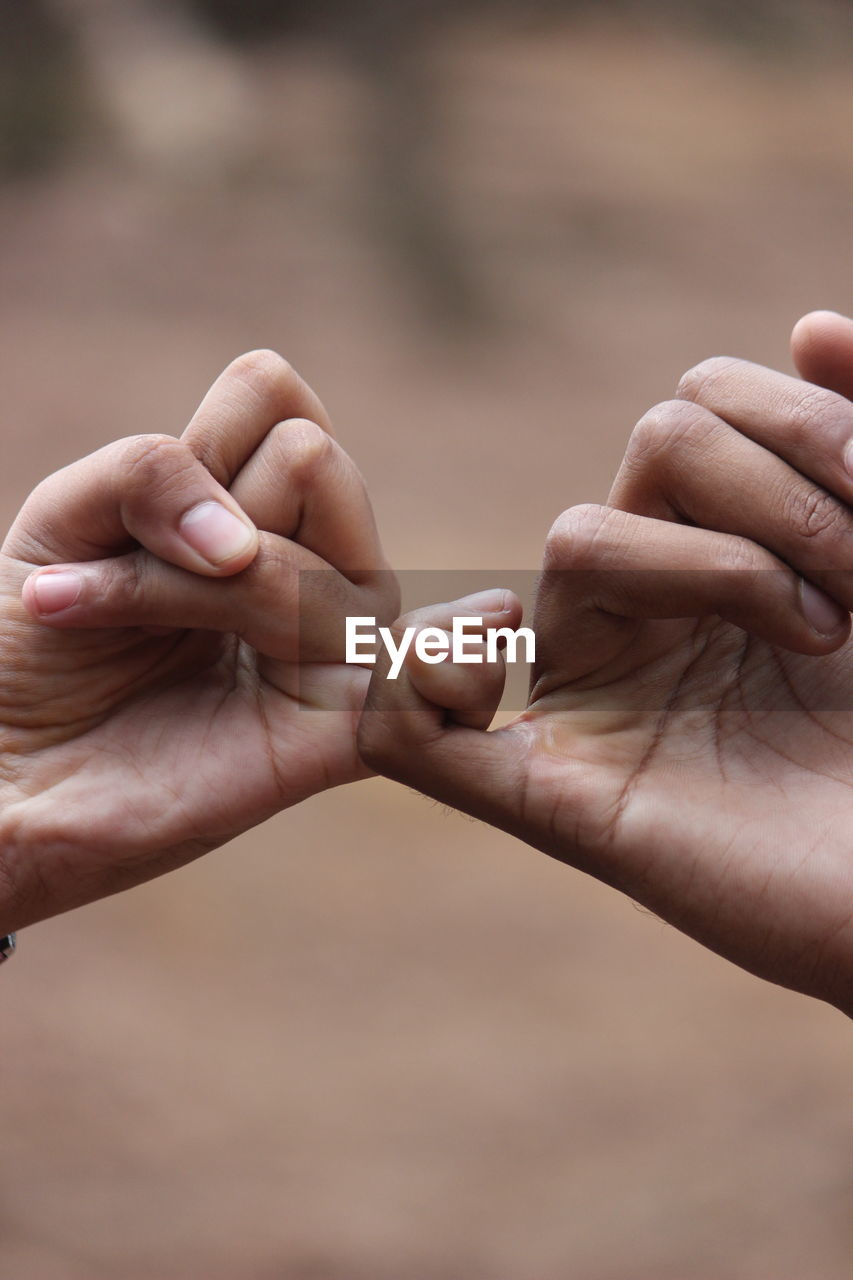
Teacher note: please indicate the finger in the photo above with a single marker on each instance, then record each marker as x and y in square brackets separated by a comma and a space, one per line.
[288, 604]
[146, 489]
[426, 727]
[606, 571]
[468, 691]
[256, 391]
[822, 348]
[300, 483]
[809, 427]
[469, 695]
[685, 463]
[126, 492]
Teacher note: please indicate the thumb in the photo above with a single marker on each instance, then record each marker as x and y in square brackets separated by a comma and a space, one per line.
[151, 490]
[426, 725]
[822, 349]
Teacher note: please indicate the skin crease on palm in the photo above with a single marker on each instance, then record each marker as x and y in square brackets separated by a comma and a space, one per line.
[132, 739]
[689, 735]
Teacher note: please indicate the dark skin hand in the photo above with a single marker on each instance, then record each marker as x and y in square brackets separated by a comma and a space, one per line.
[168, 695]
[689, 734]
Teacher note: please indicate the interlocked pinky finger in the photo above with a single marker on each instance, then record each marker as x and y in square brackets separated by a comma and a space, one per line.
[469, 694]
[426, 689]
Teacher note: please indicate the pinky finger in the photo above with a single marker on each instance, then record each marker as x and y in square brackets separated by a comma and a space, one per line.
[469, 694]
[428, 695]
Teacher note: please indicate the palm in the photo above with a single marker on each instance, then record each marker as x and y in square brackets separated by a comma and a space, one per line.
[144, 751]
[691, 778]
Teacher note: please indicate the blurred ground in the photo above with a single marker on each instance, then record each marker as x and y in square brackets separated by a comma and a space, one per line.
[373, 1040]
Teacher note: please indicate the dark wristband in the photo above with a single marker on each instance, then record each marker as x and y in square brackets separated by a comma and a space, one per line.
[7, 946]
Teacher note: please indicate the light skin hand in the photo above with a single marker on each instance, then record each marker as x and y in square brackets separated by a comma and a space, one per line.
[689, 734]
[170, 675]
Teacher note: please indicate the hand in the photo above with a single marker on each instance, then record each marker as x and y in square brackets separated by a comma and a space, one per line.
[689, 734]
[163, 692]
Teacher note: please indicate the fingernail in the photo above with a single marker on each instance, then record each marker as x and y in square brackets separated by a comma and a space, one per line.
[56, 591]
[215, 533]
[822, 614]
[493, 601]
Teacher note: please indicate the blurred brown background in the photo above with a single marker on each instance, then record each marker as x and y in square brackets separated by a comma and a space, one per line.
[374, 1040]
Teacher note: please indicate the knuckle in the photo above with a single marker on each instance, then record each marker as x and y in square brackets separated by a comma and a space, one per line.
[129, 587]
[274, 557]
[307, 447]
[697, 382]
[36, 522]
[814, 514]
[816, 409]
[274, 567]
[264, 370]
[148, 450]
[665, 427]
[154, 464]
[739, 555]
[574, 536]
